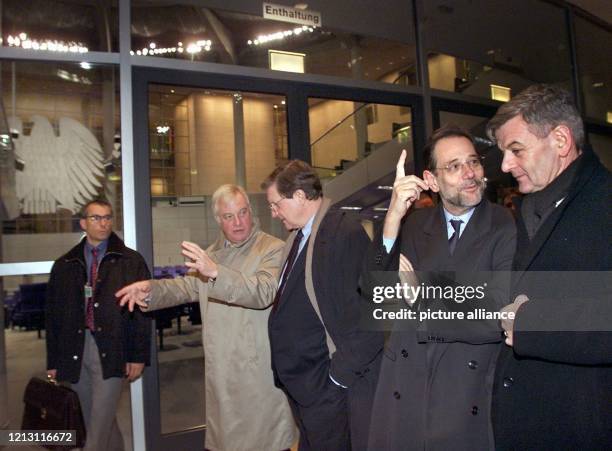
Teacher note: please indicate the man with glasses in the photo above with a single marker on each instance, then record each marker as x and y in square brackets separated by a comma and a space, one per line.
[91, 341]
[553, 384]
[435, 382]
[321, 358]
[234, 280]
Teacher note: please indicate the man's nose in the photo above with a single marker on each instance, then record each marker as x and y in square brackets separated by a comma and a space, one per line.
[507, 162]
[467, 171]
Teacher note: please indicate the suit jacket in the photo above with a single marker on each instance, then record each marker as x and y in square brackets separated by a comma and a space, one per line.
[553, 389]
[337, 249]
[435, 382]
[121, 336]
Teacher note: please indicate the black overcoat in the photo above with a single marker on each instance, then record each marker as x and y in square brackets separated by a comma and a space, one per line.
[436, 377]
[121, 336]
[553, 389]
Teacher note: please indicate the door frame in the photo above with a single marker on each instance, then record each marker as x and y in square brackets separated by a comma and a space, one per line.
[297, 94]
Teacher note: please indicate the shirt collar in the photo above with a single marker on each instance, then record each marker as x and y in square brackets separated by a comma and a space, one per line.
[101, 248]
[465, 217]
[308, 227]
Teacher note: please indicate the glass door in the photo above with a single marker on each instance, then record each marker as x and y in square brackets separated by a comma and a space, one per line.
[201, 131]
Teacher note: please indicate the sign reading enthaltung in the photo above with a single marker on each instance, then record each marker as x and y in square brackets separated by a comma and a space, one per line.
[293, 15]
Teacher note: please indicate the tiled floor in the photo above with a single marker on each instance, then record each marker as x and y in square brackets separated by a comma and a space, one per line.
[181, 375]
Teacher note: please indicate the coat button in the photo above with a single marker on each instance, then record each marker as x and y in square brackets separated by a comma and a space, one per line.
[404, 353]
[80, 331]
[473, 364]
[75, 357]
[103, 354]
[475, 410]
[99, 329]
[508, 382]
[397, 395]
[96, 305]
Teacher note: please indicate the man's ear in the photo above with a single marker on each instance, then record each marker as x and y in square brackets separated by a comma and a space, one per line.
[431, 180]
[299, 195]
[563, 139]
[83, 223]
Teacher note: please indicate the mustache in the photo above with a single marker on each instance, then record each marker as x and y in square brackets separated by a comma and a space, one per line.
[480, 183]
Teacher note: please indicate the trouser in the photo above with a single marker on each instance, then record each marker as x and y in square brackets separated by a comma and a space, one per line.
[99, 401]
[324, 425]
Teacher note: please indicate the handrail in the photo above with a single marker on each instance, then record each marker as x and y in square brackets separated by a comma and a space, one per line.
[339, 123]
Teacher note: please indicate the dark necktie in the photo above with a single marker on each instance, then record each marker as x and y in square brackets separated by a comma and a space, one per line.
[452, 242]
[288, 266]
[89, 316]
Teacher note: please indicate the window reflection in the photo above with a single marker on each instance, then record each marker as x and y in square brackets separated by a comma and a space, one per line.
[592, 43]
[504, 45]
[212, 35]
[62, 149]
[77, 26]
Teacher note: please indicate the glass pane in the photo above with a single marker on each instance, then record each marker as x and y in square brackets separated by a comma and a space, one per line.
[503, 51]
[75, 26]
[343, 132]
[499, 185]
[602, 145]
[64, 150]
[23, 353]
[214, 35]
[595, 73]
[199, 140]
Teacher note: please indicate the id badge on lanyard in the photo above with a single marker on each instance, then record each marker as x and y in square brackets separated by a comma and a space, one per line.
[88, 291]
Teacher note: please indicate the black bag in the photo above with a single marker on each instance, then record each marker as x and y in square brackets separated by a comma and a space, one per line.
[50, 406]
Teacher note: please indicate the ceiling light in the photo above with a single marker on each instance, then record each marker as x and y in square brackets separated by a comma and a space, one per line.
[351, 208]
[286, 61]
[279, 35]
[85, 65]
[500, 93]
[23, 41]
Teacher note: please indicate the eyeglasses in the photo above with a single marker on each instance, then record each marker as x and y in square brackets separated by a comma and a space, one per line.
[274, 205]
[457, 166]
[98, 218]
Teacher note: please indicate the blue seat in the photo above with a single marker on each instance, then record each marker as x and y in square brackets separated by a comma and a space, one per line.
[29, 312]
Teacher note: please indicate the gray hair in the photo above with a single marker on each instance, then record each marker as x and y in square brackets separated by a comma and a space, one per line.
[543, 107]
[225, 192]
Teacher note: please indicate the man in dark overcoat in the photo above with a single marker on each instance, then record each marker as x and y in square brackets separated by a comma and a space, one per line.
[92, 342]
[435, 382]
[553, 384]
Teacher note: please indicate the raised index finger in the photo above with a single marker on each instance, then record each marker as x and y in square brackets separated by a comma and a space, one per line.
[399, 169]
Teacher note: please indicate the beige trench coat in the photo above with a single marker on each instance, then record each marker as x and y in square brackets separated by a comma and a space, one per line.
[244, 410]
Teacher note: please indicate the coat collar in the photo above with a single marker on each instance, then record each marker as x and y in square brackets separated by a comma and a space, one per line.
[321, 212]
[115, 246]
[435, 228]
[587, 165]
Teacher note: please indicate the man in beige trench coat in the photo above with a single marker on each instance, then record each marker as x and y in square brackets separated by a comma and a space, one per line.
[235, 283]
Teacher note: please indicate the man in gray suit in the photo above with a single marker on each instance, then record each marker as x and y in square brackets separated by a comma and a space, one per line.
[435, 381]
